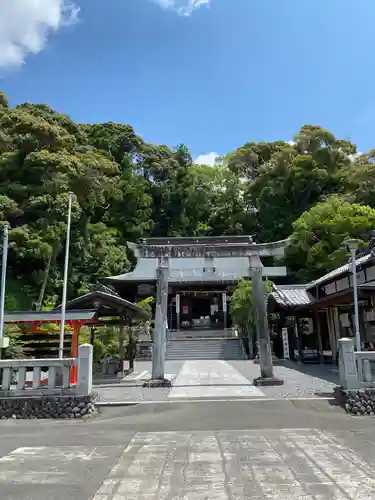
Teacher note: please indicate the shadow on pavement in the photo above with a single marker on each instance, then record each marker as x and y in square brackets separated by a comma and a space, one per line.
[221, 384]
[323, 372]
[221, 415]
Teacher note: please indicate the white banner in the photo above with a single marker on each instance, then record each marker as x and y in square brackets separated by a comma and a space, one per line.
[224, 302]
[178, 304]
[285, 336]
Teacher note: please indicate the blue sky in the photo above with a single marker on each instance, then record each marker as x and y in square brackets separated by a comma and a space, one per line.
[230, 72]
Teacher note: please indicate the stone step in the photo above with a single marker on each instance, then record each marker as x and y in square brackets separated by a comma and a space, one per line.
[201, 334]
[218, 349]
[204, 349]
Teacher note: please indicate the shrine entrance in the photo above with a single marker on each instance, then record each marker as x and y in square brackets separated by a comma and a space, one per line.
[199, 309]
[170, 263]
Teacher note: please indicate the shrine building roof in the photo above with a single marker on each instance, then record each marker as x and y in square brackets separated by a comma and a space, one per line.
[48, 316]
[106, 302]
[291, 295]
[340, 271]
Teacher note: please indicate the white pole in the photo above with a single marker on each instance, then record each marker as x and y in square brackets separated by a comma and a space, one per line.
[3, 279]
[65, 283]
[355, 293]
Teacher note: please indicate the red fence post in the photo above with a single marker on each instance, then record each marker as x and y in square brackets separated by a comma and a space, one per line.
[74, 351]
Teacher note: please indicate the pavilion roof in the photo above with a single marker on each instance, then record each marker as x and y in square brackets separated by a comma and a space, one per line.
[48, 316]
[106, 302]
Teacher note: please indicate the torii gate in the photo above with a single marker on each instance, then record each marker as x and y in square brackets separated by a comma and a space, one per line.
[223, 247]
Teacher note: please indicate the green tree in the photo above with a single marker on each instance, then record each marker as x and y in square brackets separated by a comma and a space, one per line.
[125, 189]
[358, 179]
[317, 242]
[294, 178]
[242, 310]
[246, 161]
[146, 304]
[43, 155]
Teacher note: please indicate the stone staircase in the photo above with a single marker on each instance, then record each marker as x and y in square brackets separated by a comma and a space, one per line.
[203, 333]
[204, 348]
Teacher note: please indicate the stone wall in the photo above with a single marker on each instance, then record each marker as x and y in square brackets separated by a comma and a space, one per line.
[360, 402]
[47, 407]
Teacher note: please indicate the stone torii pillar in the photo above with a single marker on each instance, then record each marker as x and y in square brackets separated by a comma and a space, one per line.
[261, 322]
[161, 320]
[257, 273]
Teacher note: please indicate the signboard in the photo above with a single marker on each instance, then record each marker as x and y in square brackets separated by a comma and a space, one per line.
[178, 303]
[185, 309]
[224, 302]
[146, 289]
[285, 336]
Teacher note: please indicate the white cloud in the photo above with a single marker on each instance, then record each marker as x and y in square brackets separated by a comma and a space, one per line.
[26, 24]
[207, 159]
[182, 7]
[355, 156]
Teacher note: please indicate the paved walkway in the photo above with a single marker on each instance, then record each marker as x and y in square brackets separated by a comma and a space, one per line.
[274, 465]
[211, 379]
[214, 379]
[274, 450]
[269, 464]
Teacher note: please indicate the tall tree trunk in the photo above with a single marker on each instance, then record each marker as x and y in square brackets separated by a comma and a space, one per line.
[47, 270]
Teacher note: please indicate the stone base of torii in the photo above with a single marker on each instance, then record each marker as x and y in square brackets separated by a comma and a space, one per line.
[254, 252]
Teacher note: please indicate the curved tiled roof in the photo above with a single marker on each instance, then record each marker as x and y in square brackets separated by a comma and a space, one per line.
[339, 271]
[291, 295]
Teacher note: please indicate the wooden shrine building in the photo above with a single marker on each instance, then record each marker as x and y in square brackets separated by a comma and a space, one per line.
[200, 284]
[292, 316]
[321, 312]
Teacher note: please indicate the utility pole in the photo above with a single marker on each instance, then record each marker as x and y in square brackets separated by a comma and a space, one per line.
[353, 245]
[261, 322]
[65, 282]
[4, 342]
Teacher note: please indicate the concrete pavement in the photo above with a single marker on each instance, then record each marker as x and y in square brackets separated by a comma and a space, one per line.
[274, 464]
[187, 451]
[173, 448]
[215, 379]
[211, 379]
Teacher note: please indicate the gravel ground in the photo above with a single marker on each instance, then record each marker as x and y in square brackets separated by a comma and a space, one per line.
[299, 380]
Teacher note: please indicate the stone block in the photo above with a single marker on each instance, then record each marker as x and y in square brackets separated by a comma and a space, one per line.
[85, 366]
[46, 407]
[153, 383]
[360, 402]
[268, 381]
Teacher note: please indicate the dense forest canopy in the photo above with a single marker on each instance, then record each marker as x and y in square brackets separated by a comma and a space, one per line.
[316, 189]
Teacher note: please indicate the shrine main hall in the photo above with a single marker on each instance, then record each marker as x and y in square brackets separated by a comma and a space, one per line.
[200, 283]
